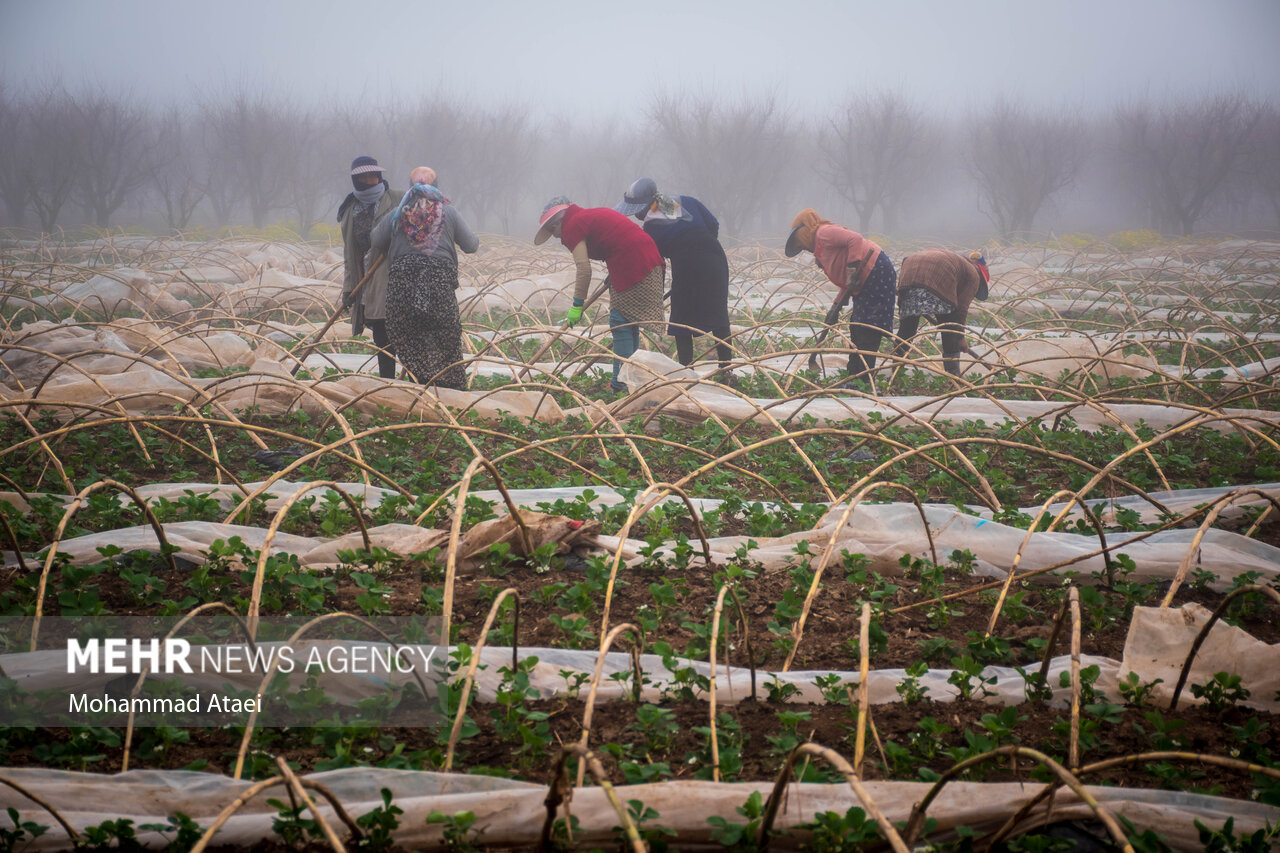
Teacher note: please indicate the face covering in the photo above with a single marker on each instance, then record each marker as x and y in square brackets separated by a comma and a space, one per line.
[370, 195]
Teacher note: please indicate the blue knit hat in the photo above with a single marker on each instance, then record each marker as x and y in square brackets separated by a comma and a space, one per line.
[363, 165]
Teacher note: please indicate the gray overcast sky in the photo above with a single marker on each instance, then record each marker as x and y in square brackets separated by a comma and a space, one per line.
[588, 59]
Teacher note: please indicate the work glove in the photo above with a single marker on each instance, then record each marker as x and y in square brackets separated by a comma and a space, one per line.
[833, 315]
[852, 274]
[575, 313]
[348, 299]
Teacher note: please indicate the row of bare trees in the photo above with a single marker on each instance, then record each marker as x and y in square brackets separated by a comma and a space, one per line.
[878, 157]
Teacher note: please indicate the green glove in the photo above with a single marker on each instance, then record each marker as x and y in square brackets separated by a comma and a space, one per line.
[575, 313]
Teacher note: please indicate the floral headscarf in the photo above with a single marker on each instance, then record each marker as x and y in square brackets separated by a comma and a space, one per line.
[979, 261]
[421, 215]
[666, 209]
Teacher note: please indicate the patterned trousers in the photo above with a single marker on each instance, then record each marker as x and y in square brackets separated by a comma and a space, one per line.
[423, 321]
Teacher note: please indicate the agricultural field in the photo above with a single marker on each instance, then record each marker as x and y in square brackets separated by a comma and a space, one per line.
[1033, 609]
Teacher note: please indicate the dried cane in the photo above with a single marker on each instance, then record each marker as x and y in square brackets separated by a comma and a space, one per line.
[304, 349]
[524, 371]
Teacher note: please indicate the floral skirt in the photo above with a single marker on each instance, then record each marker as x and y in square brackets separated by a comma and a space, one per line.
[917, 301]
[423, 321]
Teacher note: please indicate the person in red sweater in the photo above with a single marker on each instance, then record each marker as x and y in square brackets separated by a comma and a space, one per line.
[635, 270]
[863, 273]
[940, 285]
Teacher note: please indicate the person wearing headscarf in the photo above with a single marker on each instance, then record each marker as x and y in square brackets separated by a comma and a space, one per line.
[687, 235]
[635, 270]
[939, 285]
[863, 272]
[423, 321]
[359, 212]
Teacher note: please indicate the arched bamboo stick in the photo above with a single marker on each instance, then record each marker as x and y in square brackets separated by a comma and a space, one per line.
[469, 678]
[70, 512]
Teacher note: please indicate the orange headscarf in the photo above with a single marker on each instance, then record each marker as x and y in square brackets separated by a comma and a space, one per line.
[808, 221]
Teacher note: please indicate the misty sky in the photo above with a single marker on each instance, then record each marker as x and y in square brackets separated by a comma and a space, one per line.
[593, 58]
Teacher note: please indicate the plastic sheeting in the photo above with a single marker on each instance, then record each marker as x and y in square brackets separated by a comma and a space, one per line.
[269, 387]
[193, 538]
[696, 402]
[274, 288]
[1160, 639]
[110, 293]
[549, 295]
[510, 813]
[883, 532]
[125, 344]
[1176, 500]
[1074, 354]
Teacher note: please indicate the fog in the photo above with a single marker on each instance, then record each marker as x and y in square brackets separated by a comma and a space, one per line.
[956, 120]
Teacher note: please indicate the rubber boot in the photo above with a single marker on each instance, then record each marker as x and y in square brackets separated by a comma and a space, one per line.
[951, 363]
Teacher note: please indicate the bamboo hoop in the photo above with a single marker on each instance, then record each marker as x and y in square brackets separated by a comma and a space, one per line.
[469, 678]
[868, 803]
[915, 823]
[264, 553]
[797, 630]
[70, 512]
[1218, 506]
[589, 710]
[44, 804]
[1208, 626]
[864, 688]
[555, 796]
[258, 787]
[142, 676]
[275, 665]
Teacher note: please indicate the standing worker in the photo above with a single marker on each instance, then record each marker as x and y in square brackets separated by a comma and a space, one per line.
[940, 285]
[635, 270]
[359, 212]
[686, 234]
[864, 274]
[423, 320]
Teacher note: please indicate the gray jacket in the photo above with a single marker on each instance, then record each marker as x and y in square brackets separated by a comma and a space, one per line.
[456, 233]
[374, 292]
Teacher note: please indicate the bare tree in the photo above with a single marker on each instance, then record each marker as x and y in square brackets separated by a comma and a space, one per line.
[218, 175]
[178, 167]
[730, 155]
[54, 153]
[591, 163]
[876, 151]
[431, 132]
[502, 144]
[16, 183]
[116, 155]
[314, 151]
[1264, 159]
[249, 141]
[1183, 154]
[1020, 158]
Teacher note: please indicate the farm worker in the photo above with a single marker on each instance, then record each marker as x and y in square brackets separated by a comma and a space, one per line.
[864, 274]
[940, 285]
[686, 234]
[359, 212]
[422, 312]
[635, 269]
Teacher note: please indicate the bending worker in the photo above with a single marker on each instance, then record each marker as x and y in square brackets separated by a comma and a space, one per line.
[864, 274]
[940, 285]
[635, 269]
[687, 234]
